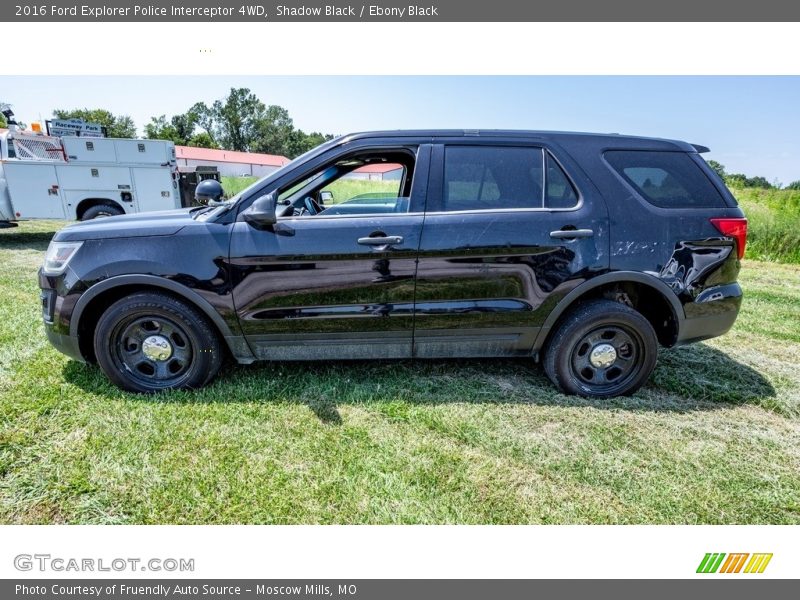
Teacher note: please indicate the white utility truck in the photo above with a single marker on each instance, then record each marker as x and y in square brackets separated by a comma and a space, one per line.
[81, 178]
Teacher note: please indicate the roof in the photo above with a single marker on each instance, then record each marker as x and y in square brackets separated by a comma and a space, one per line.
[378, 168]
[230, 156]
[611, 139]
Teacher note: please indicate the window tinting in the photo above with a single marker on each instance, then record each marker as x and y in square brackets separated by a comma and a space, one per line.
[666, 179]
[560, 193]
[490, 178]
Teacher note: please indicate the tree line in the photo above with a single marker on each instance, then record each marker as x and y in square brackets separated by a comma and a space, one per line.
[740, 180]
[239, 121]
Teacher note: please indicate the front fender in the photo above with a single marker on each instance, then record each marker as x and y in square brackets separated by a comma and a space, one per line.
[239, 348]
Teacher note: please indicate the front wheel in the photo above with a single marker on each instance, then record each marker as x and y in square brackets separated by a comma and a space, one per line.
[149, 342]
[602, 349]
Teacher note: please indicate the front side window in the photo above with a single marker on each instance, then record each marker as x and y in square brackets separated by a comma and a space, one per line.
[378, 182]
[362, 184]
[492, 178]
[666, 179]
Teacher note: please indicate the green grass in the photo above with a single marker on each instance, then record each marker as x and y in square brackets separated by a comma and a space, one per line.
[234, 185]
[773, 231]
[344, 189]
[714, 437]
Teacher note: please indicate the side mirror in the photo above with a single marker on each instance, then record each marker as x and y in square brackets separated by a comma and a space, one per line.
[261, 213]
[325, 197]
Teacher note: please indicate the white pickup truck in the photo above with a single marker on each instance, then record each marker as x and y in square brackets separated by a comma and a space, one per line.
[80, 178]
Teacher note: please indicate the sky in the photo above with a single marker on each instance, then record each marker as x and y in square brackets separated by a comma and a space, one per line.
[751, 124]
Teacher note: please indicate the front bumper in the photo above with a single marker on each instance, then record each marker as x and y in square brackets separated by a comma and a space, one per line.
[66, 344]
[52, 306]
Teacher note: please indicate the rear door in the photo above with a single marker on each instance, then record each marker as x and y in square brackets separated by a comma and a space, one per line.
[507, 232]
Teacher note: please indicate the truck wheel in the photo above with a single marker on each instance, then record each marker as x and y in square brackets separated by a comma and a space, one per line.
[101, 210]
[602, 349]
[149, 342]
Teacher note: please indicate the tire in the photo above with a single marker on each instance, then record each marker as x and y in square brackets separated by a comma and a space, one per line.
[101, 210]
[150, 342]
[578, 359]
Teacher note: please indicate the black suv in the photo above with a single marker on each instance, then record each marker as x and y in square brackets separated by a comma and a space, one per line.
[583, 251]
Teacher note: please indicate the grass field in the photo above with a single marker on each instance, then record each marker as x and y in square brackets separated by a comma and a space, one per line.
[234, 185]
[714, 438]
[774, 223]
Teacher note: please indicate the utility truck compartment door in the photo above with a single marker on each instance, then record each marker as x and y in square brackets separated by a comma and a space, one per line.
[94, 150]
[34, 190]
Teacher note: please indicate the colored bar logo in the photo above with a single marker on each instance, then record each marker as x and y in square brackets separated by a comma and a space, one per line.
[719, 562]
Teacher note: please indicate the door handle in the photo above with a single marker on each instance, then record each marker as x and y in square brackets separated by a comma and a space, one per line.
[386, 240]
[567, 234]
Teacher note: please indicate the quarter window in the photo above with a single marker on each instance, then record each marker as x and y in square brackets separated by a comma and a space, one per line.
[666, 179]
[560, 192]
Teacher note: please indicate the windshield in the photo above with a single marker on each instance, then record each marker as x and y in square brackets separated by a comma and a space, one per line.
[291, 164]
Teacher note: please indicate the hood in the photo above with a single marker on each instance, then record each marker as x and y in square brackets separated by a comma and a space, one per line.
[165, 222]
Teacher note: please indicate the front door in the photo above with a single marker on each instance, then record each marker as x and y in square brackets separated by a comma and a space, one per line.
[506, 233]
[338, 285]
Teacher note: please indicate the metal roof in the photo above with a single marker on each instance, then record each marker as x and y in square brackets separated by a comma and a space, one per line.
[230, 156]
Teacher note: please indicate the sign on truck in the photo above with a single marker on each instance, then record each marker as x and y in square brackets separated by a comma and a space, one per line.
[79, 127]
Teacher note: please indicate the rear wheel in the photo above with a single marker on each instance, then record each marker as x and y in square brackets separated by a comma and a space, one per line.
[101, 210]
[602, 349]
[149, 342]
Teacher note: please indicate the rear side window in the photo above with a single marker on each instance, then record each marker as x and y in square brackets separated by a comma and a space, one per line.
[560, 193]
[491, 178]
[666, 179]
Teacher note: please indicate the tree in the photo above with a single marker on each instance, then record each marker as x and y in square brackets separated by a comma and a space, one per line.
[795, 185]
[740, 180]
[160, 129]
[274, 132]
[758, 182]
[179, 128]
[234, 122]
[240, 121]
[184, 125]
[718, 168]
[736, 180]
[117, 126]
[301, 142]
[202, 140]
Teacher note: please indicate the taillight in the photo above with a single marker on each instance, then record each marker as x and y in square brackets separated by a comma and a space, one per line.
[735, 228]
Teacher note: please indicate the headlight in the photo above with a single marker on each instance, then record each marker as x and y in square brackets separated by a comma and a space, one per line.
[58, 256]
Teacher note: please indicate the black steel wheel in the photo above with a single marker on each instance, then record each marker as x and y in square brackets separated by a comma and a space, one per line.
[600, 350]
[149, 342]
